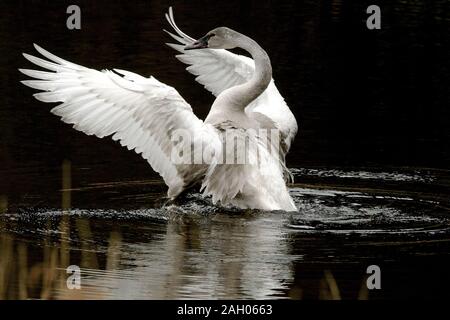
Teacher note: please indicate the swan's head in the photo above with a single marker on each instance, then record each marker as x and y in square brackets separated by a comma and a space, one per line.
[219, 38]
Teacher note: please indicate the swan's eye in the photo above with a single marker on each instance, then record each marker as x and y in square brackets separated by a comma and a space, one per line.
[211, 35]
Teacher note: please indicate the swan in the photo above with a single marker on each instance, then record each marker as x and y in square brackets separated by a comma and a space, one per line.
[144, 115]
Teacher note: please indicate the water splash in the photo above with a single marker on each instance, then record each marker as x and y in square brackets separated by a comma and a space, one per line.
[365, 175]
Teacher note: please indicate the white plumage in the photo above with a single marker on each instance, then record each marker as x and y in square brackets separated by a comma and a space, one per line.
[142, 113]
[219, 69]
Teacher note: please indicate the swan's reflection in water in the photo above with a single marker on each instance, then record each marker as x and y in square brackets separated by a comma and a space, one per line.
[230, 257]
[158, 256]
[199, 251]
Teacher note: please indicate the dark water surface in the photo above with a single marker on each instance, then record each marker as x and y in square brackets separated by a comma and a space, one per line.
[370, 161]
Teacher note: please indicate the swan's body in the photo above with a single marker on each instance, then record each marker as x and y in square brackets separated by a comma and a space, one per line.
[142, 113]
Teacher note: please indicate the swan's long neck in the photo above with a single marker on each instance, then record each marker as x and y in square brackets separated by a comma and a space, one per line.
[238, 97]
[263, 71]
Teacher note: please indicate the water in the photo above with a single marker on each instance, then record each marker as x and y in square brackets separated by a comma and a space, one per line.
[197, 250]
[370, 161]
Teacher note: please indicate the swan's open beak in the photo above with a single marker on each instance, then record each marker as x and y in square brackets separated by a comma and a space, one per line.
[199, 44]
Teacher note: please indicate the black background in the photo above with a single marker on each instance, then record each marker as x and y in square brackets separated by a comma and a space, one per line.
[361, 97]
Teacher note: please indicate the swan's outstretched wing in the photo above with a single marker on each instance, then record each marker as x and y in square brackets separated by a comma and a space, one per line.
[219, 69]
[140, 113]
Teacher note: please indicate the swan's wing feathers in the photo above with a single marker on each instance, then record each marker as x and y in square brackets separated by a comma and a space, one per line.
[237, 68]
[218, 70]
[140, 113]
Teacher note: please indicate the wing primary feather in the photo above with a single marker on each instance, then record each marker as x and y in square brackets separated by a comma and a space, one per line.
[177, 38]
[43, 63]
[56, 59]
[42, 75]
[170, 18]
[177, 47]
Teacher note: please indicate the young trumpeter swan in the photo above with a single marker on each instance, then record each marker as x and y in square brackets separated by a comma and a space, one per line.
[148, 116]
